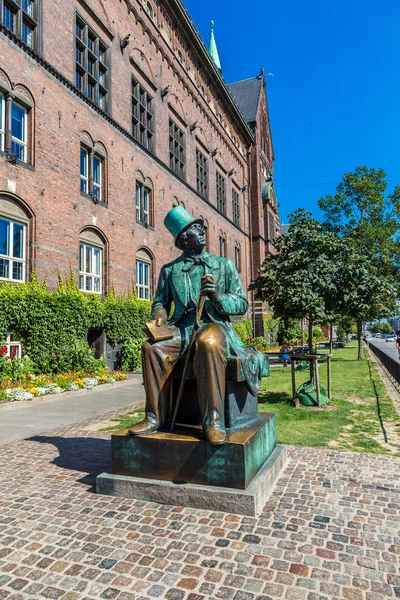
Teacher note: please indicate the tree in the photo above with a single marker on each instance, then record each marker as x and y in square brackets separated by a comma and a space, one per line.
[361, 213]
[368, 221]
[362, 292]
[380, 327]
[298, 282]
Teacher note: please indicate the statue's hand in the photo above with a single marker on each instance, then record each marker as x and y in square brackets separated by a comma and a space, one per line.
[209, 289]
[159, 322]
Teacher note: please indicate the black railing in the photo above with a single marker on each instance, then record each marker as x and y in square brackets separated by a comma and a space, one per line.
[389, 364]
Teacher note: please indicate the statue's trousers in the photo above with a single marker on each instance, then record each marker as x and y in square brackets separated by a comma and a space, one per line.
[209, 367]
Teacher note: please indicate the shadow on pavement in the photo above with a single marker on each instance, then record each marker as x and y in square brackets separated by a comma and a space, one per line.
[90, 455]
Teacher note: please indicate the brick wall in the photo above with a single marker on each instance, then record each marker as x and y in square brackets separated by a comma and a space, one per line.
[50, 187]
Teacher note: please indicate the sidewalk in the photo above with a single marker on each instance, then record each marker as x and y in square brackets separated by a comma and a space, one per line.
[329, 531]
[21, 421]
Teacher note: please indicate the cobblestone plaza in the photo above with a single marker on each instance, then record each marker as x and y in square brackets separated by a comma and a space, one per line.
[329, 530]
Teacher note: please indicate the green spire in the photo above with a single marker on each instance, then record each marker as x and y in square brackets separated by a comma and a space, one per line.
[212, 48]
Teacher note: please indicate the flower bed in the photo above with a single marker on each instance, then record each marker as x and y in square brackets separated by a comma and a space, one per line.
[33, 386]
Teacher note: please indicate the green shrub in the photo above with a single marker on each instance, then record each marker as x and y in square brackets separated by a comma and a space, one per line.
[244, 329]
[131, 356]
[52, 326]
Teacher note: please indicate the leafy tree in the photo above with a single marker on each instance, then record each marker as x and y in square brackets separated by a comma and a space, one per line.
[380, 327]
[299, 281]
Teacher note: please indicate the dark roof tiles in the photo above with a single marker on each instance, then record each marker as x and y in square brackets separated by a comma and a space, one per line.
[246, 94]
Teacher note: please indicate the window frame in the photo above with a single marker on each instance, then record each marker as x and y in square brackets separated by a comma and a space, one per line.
[140, 190]
[14, 140]
[143, 286]
[97, 54]
[221, 192]
[23, 17]
[236, 207]
[142, 132]
[89, 180]
[83, 274]
[177, 160]
[10, 258]
[202, 173]
[2, 122]
[9, 344]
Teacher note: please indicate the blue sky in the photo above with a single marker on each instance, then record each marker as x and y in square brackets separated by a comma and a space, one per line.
[334, 99]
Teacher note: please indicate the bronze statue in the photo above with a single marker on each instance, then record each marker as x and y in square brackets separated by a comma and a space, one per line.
[195, 275]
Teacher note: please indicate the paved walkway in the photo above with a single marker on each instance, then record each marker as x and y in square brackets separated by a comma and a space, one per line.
[329, 531]
[20, 421]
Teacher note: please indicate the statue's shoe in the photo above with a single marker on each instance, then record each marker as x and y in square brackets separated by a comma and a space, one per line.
[144, 427]
[215, 435]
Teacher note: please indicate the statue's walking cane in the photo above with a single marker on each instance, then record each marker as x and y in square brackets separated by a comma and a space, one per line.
[199, 312]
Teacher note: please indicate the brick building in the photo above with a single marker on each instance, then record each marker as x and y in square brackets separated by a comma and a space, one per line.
[110, 114]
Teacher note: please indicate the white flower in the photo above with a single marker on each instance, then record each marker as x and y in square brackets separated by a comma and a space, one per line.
[90, 382]
[18, 395]
[72, 387]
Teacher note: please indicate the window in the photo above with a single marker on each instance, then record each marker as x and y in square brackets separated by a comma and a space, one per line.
[235, 207]
[2, 122]
[271, 227]
[9, 346]
[142, 280]
[222, 245]
[221, 193]
[12, 250]
[17, 142]
[91, 68]
[202, 173]
[143, 195]
[238, 258]
[149, 10]
[18, 131]
[142, 115]
[22, 20]
[176, 149]
[143, 274]
[90, 268]
[91, 174]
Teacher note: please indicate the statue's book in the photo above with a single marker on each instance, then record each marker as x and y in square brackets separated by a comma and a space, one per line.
[158, 333]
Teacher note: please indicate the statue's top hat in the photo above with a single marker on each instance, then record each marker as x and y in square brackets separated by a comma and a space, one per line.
[178, 219]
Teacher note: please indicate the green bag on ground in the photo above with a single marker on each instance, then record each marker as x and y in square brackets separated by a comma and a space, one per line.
[302, 366]
[307, 394]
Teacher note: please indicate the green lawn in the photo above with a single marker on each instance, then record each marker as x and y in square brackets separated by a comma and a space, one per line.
[361, 414]
[360, 418]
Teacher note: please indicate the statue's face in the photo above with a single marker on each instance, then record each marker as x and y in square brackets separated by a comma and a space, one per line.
[195, 237]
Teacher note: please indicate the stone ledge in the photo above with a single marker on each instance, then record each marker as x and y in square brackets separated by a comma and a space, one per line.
[248, 502]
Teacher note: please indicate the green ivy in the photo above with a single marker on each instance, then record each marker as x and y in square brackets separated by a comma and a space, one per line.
[52, 325]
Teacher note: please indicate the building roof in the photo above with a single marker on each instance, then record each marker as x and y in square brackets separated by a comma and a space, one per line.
[212, 48]
[247, 95]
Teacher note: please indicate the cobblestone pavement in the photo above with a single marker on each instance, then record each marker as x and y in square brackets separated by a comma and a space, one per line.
[330, 530]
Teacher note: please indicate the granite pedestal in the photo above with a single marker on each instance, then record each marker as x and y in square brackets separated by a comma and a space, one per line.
[182, 468]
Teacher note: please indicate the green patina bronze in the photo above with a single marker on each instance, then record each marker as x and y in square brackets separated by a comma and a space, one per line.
[197, 371]
[184, 457]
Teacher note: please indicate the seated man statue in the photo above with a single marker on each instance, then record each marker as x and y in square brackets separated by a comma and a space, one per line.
[183, 283]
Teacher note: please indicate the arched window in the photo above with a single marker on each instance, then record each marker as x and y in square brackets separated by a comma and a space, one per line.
[180, 56]
[16, 121]
[144, 200]
[149, 9]
[92, 245]
[15, 225]
[93, 169]
[144, 274]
